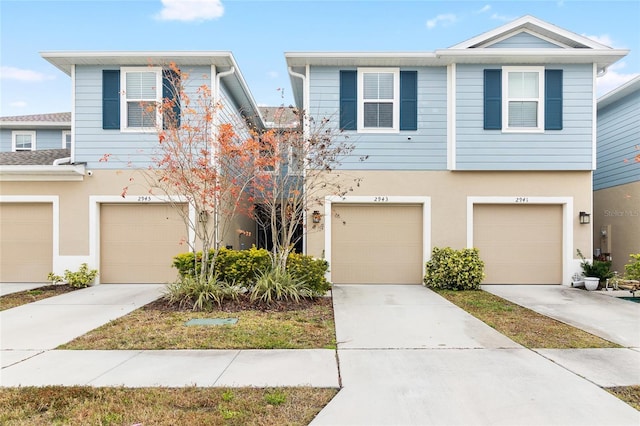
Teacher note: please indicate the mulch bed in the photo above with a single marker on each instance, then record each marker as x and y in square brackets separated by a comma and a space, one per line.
[243, 304]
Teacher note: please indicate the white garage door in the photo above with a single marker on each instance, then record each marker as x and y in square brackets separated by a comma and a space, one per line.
[138, 242]
[376, 244]
[520, 244]
[26, 242]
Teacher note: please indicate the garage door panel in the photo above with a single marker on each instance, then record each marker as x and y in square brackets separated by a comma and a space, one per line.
[139, 241]
[377, 244]
[520, 244]
[26, 243]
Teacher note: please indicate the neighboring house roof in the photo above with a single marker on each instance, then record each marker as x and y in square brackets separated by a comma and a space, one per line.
[44, 157]
[58, 120]
[280, 116]
[567, 48]
[223, 61]
[619, 92]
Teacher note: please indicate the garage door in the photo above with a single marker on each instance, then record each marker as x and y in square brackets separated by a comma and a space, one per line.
[376, 244]
[138, 242]
[26, 242]
[520, 244]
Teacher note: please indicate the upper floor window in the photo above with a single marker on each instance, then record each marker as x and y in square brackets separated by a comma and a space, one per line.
[140, 99]
[523, 103]
[378, 100]
[523, 99]
[66, 139]
[23, 140]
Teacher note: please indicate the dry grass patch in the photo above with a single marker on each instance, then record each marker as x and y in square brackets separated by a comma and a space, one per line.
[629, 394]
[308, 325]
[29, 296]
[523, 325]
[161, 406]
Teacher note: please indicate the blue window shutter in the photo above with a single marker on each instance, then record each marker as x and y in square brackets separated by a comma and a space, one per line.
[348, 100]
[553, 100]
[110, 99]
[408, 100]
[493, 99]
[170, 91]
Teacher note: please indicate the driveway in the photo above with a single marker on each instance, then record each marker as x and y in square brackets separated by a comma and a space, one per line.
[409, 357]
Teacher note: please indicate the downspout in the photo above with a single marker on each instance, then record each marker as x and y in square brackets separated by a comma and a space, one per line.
[59, 161]
[305, 135]
[216, 98]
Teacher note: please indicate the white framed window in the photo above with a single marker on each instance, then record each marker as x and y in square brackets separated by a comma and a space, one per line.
[23, 140]
[378, 100]
[66, 139]
[523, 99]
[141, 94]
[296, 160]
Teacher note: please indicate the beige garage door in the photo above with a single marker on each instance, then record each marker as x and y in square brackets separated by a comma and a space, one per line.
[138, 242]
[26, 242]
[376, 244]
[520, 244]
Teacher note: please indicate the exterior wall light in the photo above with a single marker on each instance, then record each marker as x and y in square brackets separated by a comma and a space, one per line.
[316, 216]
[585, 218]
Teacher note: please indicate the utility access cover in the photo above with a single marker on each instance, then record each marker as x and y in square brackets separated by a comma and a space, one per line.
[212, 321]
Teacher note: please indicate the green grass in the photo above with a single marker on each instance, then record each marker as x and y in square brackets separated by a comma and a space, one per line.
[523, 325]
[308, 326]
[57, 405]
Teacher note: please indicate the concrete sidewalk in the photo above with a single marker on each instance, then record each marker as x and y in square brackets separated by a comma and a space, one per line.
[9, 288]
[408, 356]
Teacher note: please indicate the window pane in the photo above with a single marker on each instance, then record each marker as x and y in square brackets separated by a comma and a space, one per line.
[23, 142]
[523, 114]
[67, 140]
[523, 84]
[378, 86]
[141, 114]
[377, 114]
[141, 85]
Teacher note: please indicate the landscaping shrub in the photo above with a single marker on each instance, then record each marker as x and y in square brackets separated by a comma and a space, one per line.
[200, 294]
[82, 278]
[278, 285]
[242, 267]
[454, 269]
[632, 269]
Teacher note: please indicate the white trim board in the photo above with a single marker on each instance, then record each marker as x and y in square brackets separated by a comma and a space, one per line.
[365, 199]
[567, 223]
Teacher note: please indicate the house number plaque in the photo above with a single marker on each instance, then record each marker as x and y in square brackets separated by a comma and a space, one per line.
[522, 199]
[144, 198]
[381, 199]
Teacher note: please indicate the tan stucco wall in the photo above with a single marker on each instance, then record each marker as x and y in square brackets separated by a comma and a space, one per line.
[449, 191]
[74, 204]
[617, 211]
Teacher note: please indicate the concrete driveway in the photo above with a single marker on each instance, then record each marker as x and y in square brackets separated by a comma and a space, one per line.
[409, 357]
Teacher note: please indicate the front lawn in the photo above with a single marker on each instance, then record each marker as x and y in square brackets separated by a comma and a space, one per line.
[307, 325]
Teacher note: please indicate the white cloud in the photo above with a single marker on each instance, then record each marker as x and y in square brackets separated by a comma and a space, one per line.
[18, 104]
[613, 78]
[273, 74]
[486, 8]
[445, 19]
[503, 18]
[602, 39]
[190, 10]
[13, 73]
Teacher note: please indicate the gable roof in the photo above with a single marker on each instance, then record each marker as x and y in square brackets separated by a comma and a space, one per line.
[44, 157]
[52, 120]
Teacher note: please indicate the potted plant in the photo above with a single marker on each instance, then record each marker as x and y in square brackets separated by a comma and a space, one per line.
[594, 272]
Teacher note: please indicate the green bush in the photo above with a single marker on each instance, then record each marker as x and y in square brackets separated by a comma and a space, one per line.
[598, 268]
[200, 294]
[310, 270]
[80, 279]
[242, 267]
[276, 285]
[454, 269]
[632, 269]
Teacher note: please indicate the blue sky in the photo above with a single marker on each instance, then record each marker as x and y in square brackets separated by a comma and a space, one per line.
[259, 32]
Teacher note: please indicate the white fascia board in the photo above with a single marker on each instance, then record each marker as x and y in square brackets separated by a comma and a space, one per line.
[561, 56]
[355, 59]
[35, 125]
[619, 92]
[42, 173]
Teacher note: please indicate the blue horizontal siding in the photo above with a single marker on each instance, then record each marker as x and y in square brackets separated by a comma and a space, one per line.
[422, 149]
[45, 139]
[524, 41]
[618, 137]
[566, 149]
